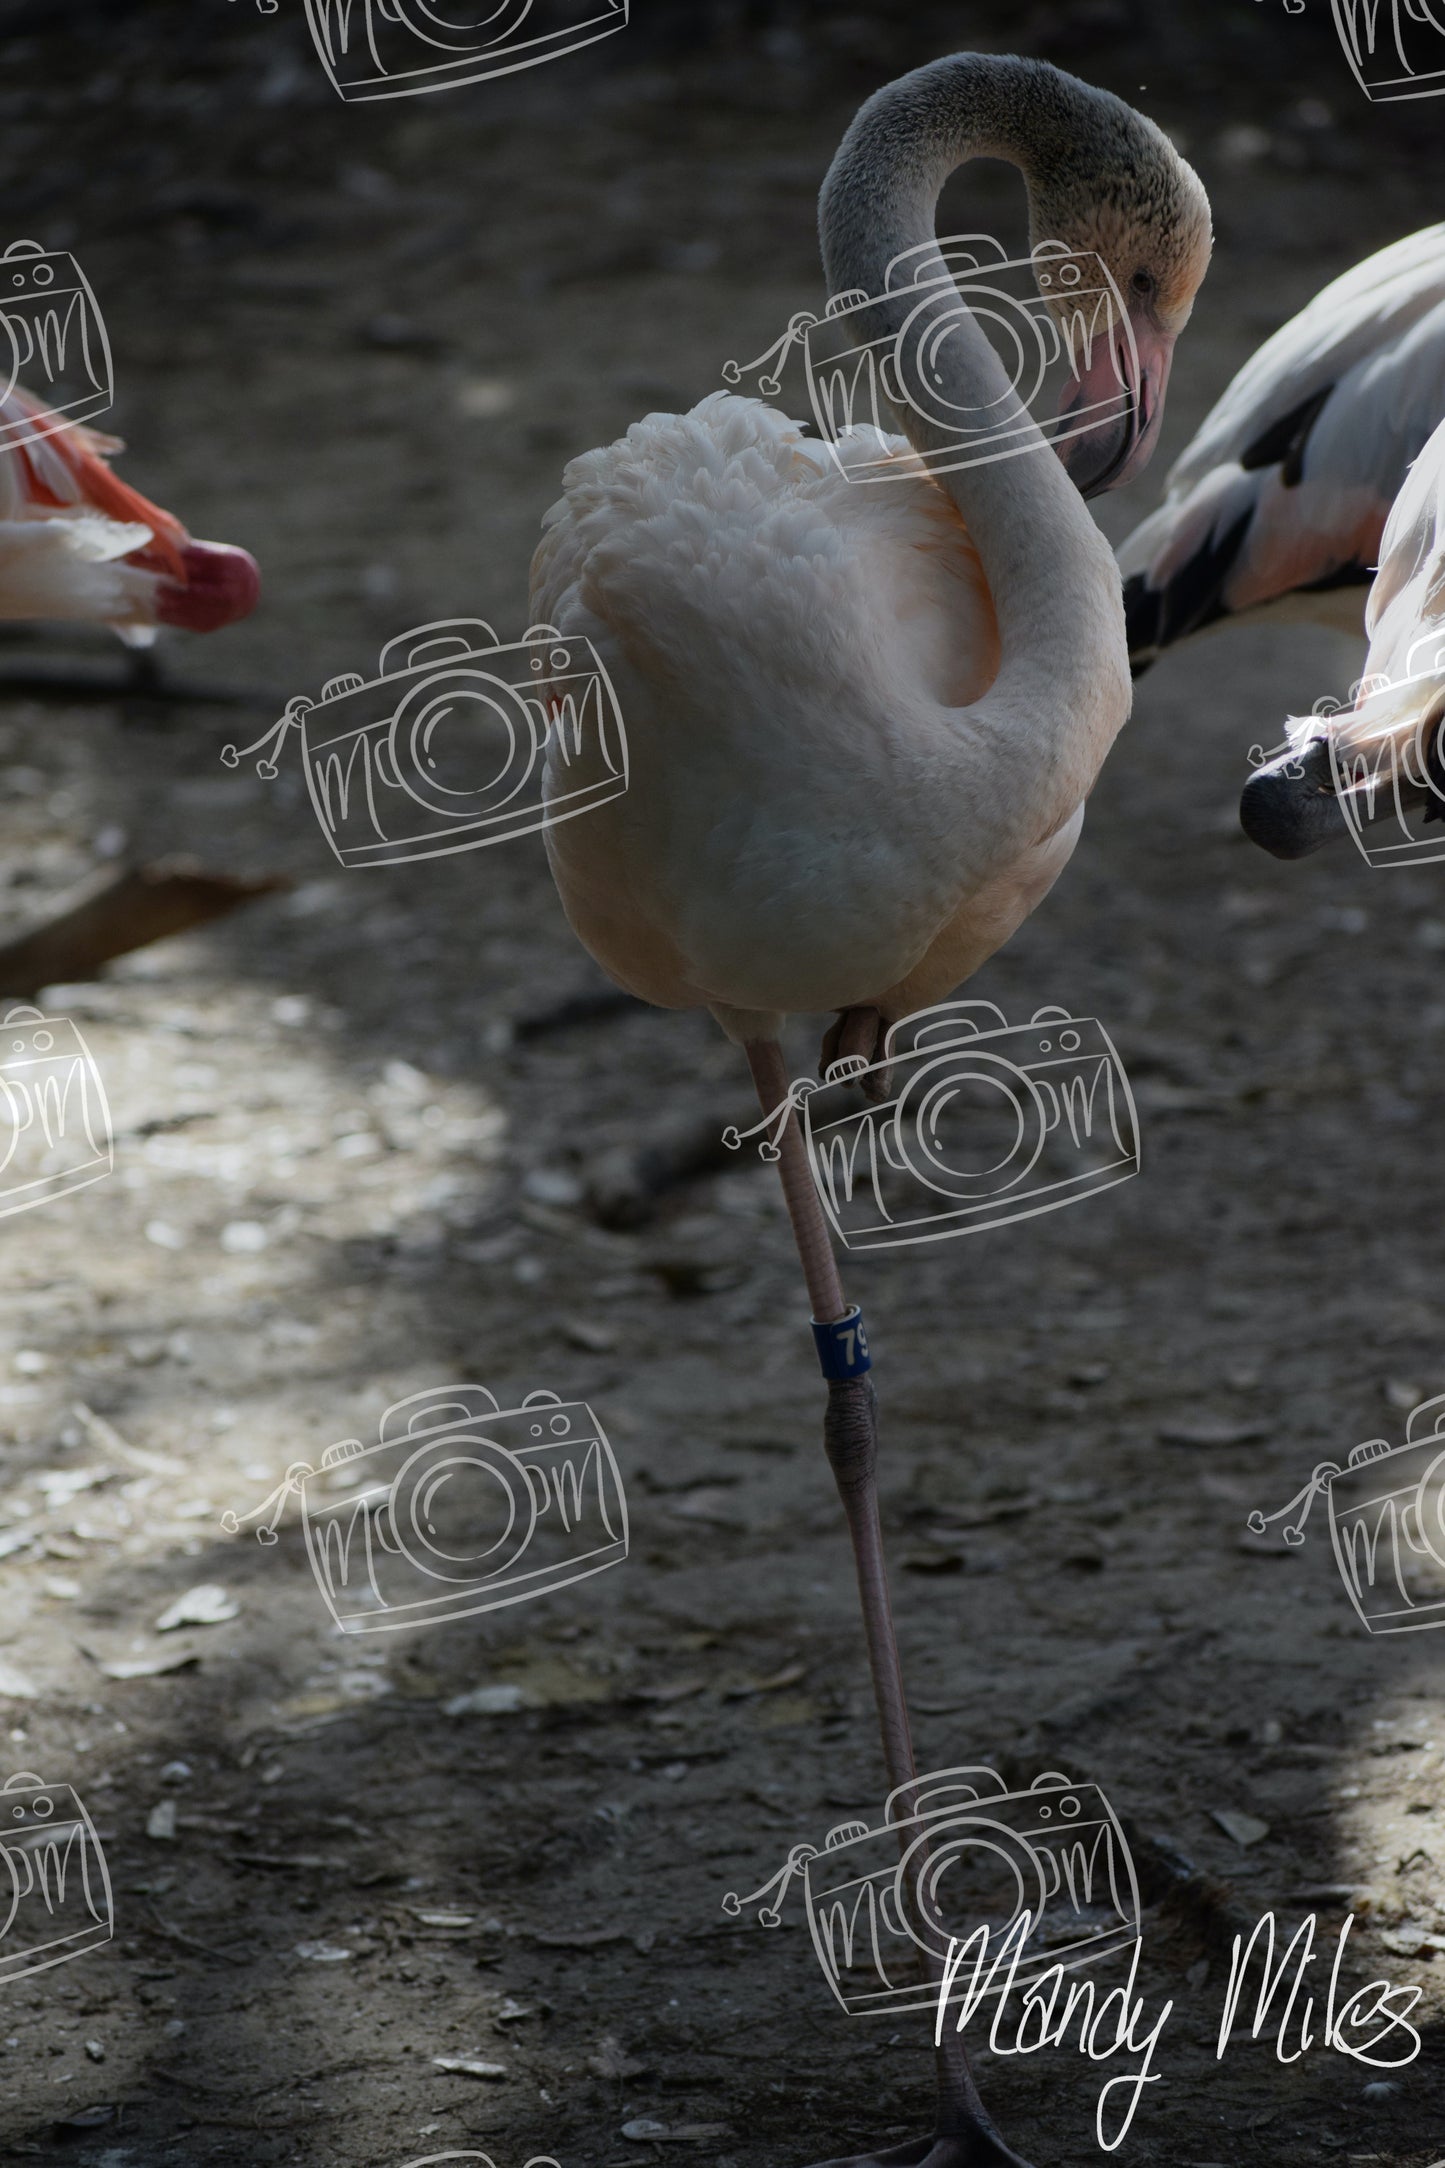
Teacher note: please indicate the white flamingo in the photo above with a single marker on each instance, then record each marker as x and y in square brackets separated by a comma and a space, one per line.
[78, 543]
[1383, 756]
[864, 720]
[1278, 505]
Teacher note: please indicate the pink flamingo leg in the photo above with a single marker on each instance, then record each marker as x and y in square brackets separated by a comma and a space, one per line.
[965, 2136]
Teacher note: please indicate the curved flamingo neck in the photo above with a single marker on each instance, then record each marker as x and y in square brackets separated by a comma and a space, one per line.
[1054, 586]
[879, 195]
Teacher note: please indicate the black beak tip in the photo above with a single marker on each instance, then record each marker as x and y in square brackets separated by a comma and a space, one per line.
[1106, 475]
[1268, 823]
[1096, 460]
[1289, 809]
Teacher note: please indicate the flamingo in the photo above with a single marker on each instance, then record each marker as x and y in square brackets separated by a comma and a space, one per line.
[76, 542]
[864, 720]
[1278, 505]
[1384, 755]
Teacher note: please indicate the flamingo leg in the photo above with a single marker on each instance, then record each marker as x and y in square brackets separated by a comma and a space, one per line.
[965, 2136]
[858, 1036]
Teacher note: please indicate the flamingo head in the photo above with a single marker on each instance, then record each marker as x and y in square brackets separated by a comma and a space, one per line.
[1289, 806]
[1380, 760]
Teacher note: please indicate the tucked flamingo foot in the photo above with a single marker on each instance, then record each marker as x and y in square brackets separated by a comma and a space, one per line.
[856, 1037]
[975, 2149]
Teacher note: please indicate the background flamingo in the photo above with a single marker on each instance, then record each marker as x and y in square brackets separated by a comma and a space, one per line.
[1385, 748]
[1279, 503]
[864, 721]
[77, 542]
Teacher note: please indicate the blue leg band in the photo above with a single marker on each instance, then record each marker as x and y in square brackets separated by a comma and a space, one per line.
[843, 1346]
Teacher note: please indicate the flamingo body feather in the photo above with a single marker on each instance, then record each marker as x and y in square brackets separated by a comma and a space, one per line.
[793, 653]
[1280, 501]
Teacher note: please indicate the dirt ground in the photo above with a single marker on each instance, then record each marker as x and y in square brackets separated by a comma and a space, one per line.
[377, 1136]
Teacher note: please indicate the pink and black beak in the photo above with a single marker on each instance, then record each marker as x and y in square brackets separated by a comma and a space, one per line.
[1125, 381]
[217, 586]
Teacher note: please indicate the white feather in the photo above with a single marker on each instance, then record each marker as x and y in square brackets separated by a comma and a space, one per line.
[1377, 336]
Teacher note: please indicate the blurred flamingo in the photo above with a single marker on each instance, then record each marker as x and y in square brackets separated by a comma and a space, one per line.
[1383, 755]
[77, 542]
